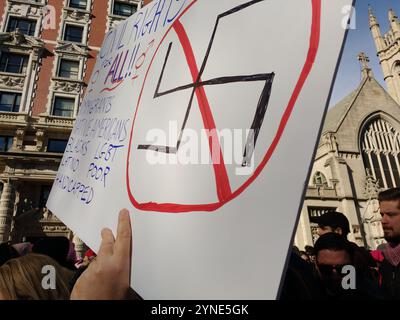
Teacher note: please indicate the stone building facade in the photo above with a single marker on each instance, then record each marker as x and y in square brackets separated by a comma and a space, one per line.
[48, 50]
[359, 151]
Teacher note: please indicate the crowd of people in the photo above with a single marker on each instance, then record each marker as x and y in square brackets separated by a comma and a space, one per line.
[323, 272]
[105, 276]
[334, 269]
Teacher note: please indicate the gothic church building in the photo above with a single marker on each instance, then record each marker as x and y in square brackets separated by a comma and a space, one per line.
[359, 151]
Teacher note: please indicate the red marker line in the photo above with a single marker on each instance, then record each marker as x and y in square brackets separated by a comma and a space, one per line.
[307, 68]
[311, 55]
[112, 88]
[221, 176]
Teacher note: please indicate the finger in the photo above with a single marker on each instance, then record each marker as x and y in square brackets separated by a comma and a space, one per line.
[124, 235]
[107, 242]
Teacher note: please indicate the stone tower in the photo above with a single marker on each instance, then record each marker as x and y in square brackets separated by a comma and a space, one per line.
[388, 51]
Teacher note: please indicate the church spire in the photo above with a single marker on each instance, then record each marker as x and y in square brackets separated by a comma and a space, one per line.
[388, 52]
[392, 15]
[372, 19]
[394, 23]
[375, 30]
[366, 71]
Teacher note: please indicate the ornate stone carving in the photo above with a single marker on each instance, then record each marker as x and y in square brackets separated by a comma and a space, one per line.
[19, 138]
[6, 116]
[31, 9]
[52, 229]
[12, 117]
[18, 38]
[40, 136]
[12, 81]
[47, 120]
[70, 49]
[76, 15]
[371, 185]
[67, 86]
[48, 216]
[329, 139]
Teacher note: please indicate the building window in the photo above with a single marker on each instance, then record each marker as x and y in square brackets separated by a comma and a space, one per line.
[79, 4]
[320, 179]
[63, 107]
[13, 63]
[73, 33]
[6, 143]
[68, 69]
[26, 26]
[380, 144]
[124, 9]
[44, 195]
[55, 145]
[10, 101]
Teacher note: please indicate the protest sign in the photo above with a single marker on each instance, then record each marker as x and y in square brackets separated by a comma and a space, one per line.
[201, 117]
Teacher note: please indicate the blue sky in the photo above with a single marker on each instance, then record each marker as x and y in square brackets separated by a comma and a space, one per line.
[360, 39]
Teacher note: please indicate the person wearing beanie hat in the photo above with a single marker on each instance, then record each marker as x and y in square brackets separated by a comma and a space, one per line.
[332, 221]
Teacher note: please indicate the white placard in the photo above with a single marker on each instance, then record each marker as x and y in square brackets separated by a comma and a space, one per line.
[201, 118]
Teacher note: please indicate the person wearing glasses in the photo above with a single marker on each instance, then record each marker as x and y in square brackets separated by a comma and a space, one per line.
[337, 222]
[339, 275]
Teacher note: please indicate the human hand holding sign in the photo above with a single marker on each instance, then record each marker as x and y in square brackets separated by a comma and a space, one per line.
[108, 277]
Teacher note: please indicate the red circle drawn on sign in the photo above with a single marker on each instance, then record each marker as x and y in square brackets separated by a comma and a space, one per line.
[227, 195]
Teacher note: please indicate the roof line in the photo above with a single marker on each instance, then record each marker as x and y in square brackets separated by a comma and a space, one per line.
[358, 91]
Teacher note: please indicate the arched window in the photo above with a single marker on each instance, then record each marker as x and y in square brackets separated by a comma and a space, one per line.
[319, 179]
[380, 144]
